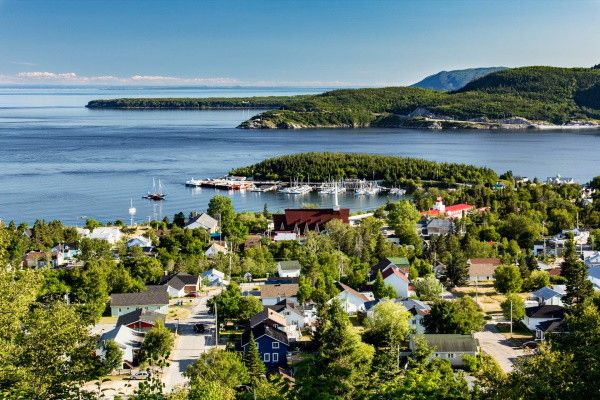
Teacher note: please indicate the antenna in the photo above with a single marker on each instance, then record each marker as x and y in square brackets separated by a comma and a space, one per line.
[131, 212]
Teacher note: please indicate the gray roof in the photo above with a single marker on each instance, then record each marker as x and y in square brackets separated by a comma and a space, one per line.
[202, 221]
[124, 336]
[414, 306]
[180, 280]
[546, 293]
[140, 315]
[289, 265]
[439, 223]
[548, 311]
[153, 297]
[452, 343]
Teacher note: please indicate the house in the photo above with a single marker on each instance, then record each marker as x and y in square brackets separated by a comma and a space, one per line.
[393, 277]
[128, 340]
[284, 236]
[140, 241]
[272, 344]
[451, 347]
[401, 263]
[109, 234]
[213, 278]
[215, 249]
[594, 277]
[439, 227]
[548, 296]
[482, 269]
[593, 260]
[418, 310]
[351, 300]
[152, 300]
[203, 221]
[288, 269]
[293, 314]
[544, 329]
[456, 211]
[271, 294]
[303, 220]
[140, 320]
[36, 259]
[536, 315]
[63, 254]
[180, 285]
[275, 320]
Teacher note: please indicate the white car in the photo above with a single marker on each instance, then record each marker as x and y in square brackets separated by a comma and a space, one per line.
[141, 375]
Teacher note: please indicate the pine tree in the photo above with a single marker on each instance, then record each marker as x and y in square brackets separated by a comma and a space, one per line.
[256, 368]
[575, 271]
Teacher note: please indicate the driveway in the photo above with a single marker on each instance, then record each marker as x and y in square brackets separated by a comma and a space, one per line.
[188, 344]
[499, 347]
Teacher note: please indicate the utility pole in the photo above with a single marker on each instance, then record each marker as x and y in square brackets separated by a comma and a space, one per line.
[216, 327]
[511, 319]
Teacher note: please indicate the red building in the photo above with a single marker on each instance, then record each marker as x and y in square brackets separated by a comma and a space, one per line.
[455, 211]
[302, 220]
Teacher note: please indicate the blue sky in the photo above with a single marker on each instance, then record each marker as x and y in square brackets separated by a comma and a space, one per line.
[286, 42]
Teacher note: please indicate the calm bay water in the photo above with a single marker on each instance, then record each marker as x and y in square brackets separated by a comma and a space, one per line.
[59, 160]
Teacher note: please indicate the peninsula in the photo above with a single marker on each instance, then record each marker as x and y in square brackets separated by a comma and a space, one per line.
[517, 98]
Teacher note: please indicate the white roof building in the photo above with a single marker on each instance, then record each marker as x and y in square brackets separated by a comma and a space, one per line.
[203, 221]
[108, 233]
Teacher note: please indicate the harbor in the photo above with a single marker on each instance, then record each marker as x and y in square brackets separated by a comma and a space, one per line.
[359, 187]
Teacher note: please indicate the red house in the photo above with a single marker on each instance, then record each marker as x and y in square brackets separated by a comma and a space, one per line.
[140, 320]
[302, 220]
[456, 211]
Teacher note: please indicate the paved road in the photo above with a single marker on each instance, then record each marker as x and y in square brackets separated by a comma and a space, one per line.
[188, 344]
[498, 346]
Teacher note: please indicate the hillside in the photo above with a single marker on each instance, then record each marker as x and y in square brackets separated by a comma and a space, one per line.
[320, 167]
[454, 80]
[209, 103]
[513, 98]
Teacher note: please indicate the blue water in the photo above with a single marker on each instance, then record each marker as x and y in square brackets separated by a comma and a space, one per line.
[59, 160]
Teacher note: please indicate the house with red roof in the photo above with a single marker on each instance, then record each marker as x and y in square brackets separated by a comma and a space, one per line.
[456, 211]
[302, 220]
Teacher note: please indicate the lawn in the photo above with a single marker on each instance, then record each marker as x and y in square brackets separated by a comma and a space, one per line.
[486, 296]
[520, 332]
[177, 312]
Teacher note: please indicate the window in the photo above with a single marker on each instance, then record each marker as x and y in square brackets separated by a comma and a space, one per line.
[275, 345]
[275, 357]
[267, 357]
[451, 355]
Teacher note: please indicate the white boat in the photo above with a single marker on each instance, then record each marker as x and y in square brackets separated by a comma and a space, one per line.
[194, 182]
[369, 190]
[397, 192]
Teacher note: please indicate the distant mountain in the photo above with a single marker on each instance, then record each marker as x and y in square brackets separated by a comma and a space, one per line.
[455, 80]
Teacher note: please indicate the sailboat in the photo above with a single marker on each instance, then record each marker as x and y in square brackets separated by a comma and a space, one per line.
[157, 193]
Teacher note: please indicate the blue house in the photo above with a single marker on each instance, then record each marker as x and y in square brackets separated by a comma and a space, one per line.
[272, 344]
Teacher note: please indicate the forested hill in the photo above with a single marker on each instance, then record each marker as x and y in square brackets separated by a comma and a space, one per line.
[190, 103]
[513, 98]
[454, 80]
[321, 167]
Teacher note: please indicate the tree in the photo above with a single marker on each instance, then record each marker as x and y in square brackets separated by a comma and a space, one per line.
[381, 290]
[340, 368]
[428, 288]
[157, 344]
[256, 368]
[537, 280]
[216, 374]
[518, 307]
[575, 272]
[457, 270]
[113, 358]
[508, 279]
[221, 208]
[454, 316]
[388, 325]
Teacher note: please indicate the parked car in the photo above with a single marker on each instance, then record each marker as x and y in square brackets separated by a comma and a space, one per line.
[530, 345]
[193, 294]
[199, 328]
[141, 375]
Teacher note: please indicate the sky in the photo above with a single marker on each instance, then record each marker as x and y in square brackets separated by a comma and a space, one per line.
[286, 43]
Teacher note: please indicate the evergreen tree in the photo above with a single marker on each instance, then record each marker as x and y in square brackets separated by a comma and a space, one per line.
[381, 290]
[256, 368]
[575, 272]
[457, 269]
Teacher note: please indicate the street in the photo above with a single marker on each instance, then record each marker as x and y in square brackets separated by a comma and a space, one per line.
[189, 344]
[499, 347]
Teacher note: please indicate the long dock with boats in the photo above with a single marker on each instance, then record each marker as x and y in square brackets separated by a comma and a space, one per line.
[234, 183]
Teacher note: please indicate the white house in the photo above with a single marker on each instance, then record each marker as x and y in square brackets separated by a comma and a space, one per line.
[215, 249]
[107, 233]
[271, 294]
[288, 269]
[395, 278]
[418, 310]
[285, 236]
[593, 260]
[292, 313]
[594, 277]
[128, 340]
[182, 284]
[139, 241]
[483, 269]
[536, 315]
[214, 278]
[203, 221]
[548, 296]
[152, 300]
[351, 300]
